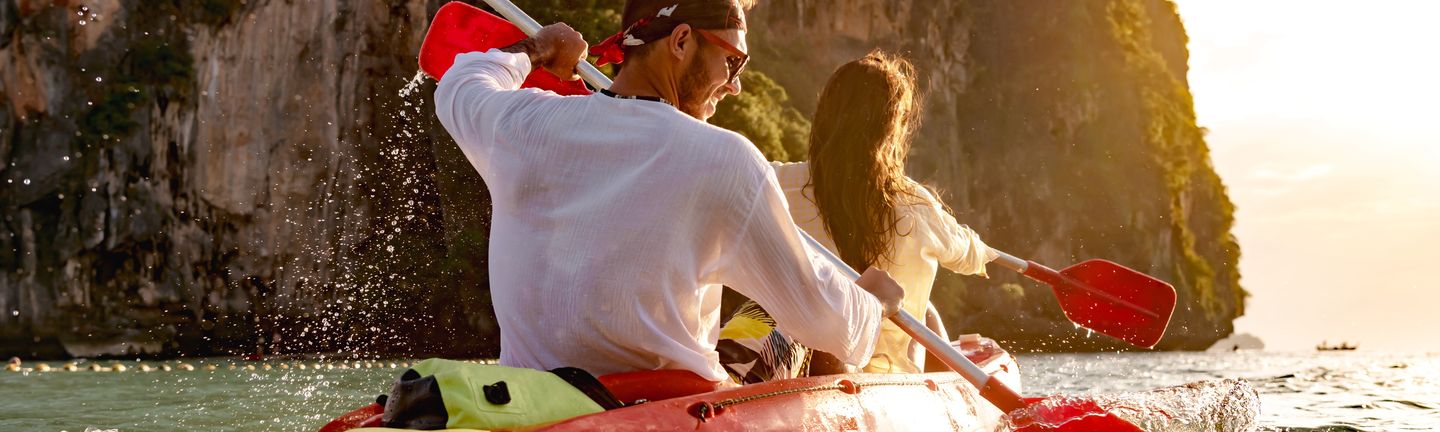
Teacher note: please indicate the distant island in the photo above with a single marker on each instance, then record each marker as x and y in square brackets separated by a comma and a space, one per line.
[1238, 341]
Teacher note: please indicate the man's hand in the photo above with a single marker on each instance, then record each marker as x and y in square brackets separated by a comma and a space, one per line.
[884, 288]
[556, 48]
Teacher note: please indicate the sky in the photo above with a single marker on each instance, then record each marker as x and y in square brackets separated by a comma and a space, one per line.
[1324, 123]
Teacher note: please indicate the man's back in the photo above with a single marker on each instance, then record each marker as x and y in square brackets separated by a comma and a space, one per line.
[615, 222]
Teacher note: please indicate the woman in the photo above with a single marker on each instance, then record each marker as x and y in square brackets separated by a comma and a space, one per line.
[853, 196]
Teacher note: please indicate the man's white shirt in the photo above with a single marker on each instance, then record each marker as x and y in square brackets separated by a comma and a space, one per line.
[617, 221]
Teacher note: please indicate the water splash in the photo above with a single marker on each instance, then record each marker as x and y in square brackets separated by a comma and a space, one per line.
[1212, 406]
[413, 85]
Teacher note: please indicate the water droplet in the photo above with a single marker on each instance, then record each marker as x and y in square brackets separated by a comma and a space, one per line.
[27, 181]
[98, 79]
[413, 85]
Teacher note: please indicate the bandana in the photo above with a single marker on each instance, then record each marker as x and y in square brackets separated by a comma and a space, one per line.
[701, 14]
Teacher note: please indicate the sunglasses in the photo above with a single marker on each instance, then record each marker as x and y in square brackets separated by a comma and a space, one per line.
[735, 62]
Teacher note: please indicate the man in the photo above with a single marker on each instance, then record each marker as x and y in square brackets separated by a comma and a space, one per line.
[619, 216]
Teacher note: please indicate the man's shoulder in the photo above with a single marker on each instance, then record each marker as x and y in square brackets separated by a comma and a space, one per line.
[723, 148]
[721, 136]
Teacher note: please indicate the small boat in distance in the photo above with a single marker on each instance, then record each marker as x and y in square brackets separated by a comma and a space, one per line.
[1343, 346]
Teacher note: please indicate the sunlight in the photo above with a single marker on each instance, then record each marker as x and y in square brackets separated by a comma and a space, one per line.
[1320, 119]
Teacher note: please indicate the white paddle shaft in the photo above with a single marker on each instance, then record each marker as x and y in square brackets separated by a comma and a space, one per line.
[1011, 262]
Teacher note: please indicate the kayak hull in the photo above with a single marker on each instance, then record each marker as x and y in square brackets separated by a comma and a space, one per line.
[939, 401]
[858, 402]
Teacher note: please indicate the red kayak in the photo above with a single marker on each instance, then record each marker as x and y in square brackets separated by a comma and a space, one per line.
[883, 402]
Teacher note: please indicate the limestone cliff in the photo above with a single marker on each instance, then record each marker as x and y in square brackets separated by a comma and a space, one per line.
[1060, 130]
[197, 176]
[213, 176]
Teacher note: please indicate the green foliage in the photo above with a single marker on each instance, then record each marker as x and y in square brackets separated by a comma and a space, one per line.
[595, 19]
[155, 67]
[1181, 150]
[761, 114]
[212, 13]
[151, 68]
[111, 116]
[157, 63]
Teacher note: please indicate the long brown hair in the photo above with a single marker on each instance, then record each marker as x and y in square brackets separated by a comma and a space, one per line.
[859, 139]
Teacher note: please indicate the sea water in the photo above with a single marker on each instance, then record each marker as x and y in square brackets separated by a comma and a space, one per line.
[1298, 391]
[1303, 391]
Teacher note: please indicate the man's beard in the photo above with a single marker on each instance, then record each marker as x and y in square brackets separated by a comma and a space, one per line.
[694, 89]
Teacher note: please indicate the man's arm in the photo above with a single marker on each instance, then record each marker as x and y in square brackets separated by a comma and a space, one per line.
[556, 48]
[810, 299]
[479, 90]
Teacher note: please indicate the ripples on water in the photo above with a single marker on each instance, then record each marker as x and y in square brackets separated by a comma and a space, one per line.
[1354, 391]
[1341, 391]
[223, 399]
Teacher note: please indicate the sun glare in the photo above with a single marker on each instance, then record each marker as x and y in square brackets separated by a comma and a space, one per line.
[1321, 119]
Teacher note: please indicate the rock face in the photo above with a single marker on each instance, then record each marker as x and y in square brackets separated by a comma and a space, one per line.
[226, 176]
[1060, 130]
[213, 176]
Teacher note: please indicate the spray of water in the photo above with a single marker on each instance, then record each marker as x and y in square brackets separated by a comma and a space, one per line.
[1212, 406]
[412, 86]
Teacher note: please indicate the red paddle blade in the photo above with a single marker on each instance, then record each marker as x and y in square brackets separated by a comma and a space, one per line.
[1114, 300]
[459, 28]
[1068, 415]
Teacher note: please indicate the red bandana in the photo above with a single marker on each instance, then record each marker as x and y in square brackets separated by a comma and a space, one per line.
[612, 49]
[701, 14]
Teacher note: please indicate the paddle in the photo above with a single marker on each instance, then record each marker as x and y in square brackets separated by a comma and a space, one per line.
[1106, 297]
[471, 29]
[1061, 414]
[461, 28]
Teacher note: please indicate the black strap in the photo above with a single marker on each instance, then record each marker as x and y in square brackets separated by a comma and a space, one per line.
[589, 385]
[609, 93]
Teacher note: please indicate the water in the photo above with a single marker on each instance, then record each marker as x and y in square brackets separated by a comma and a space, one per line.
[1297, 391]
[1301, 391]
[179, 400]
